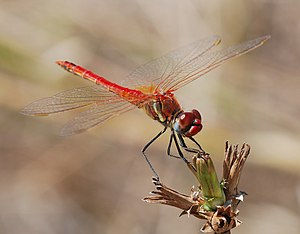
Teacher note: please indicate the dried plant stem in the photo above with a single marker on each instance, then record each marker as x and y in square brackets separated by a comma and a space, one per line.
[207, 201]
[233, 165]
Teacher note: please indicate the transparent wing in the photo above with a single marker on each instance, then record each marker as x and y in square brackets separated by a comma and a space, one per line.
[72, 99]
[103, 106]
[197, 66]
[157, 71]
[95, 116]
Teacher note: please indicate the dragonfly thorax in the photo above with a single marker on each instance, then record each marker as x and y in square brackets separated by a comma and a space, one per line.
[163, 108]
[188, 123]
[166, 109]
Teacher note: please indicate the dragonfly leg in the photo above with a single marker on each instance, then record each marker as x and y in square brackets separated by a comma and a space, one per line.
[178, 148]
[199, 151]
[169, 147]
[193, 140]
[146, 147]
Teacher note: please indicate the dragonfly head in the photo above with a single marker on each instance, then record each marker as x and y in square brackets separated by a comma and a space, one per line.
[188, 123]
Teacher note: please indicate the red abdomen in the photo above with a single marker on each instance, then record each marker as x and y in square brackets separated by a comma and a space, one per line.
[131, 95]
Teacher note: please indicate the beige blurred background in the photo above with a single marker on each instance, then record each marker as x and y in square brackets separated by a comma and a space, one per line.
[94, 182]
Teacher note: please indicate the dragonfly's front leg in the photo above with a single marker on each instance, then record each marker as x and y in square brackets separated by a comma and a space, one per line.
[170, 145]
[199, 151]
[199, 146]
[173, 137]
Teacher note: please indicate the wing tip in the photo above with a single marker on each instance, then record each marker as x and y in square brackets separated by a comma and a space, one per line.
[29, 112]
[259, 41]
[67, 131]
[24, 112]
[263, 39]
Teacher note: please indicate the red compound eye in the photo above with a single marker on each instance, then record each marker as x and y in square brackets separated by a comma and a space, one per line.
[186, 119]
[197, 114]
[188, 123]
[193, 130]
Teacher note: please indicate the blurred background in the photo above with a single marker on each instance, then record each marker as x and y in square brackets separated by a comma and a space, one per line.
[94, 182]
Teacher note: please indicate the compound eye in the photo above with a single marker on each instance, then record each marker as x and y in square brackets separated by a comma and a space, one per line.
[193, 130]
[186, 119]
[197, 114]
[188, 123]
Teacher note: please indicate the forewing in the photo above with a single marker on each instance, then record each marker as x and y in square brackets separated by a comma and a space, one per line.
[95, 116]
[155, 72]
[71, 99]
[199, 65]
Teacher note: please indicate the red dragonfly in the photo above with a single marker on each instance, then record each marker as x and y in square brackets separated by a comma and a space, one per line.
[150, 87]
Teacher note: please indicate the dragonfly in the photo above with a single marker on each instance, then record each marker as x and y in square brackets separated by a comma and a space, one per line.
[150, 87]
